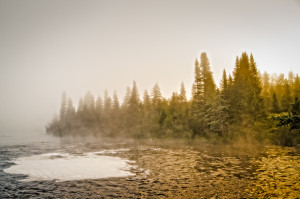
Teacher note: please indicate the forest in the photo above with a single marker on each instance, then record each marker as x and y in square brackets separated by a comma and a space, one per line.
[246, 105]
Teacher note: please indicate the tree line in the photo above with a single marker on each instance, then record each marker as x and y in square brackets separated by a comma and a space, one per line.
[245, 104]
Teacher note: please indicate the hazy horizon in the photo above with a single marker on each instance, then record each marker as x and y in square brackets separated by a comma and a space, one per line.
[48, 47]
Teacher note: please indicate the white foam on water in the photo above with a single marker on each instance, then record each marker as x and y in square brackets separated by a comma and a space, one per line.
[64, 167]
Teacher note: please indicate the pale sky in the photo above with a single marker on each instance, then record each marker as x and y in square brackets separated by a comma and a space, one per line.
[47, 47]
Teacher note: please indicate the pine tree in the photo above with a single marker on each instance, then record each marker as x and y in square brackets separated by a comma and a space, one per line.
[197, 117]
[209, 86]
[80, 105]
[246, 100]
[224, 83]
[198, 87]
[99, 106]
[134, 100]
[156, 97]
[275, 106]
[70, 111]
[107, 104]
[99, 112]
[266, 94]
[89, 101]
[63, 106]
[116, 104]
[297, 87]
[230, 81]
[255, 99]
[291, 78]
[146, 101]
[182, 94]
[125, 104]
[286, 99]
[132, 113]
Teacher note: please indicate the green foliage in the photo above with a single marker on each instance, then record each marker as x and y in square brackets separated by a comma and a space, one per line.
[247, 105]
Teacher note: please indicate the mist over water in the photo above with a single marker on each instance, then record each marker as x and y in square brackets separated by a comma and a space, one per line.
[19, 137]
[86, 167]
[195, 134]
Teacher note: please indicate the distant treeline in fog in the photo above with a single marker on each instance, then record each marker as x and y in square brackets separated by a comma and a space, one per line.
[247, 104]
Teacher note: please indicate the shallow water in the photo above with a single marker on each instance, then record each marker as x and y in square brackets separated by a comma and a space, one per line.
[160, 170]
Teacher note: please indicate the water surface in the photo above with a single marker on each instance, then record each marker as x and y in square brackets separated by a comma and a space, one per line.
[151, 170]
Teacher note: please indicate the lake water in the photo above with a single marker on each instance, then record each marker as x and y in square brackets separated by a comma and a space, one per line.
[41, 166]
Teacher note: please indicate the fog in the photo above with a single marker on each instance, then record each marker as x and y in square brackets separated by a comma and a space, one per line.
[78, 46]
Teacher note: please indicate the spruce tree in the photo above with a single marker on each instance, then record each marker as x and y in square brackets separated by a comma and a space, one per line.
[146, 101]
[266, 94]
[99, 111]
[246, 96]
[134, 100]
[197, 117]
[99, 105]
[80, 105]
[116, 104]
[275, 106]
[182, 95]
[126, 100]
[107, 104]
[209, 86]
[224, 82]
[156, 97]
[63, 106]
[286, 99]
[297, 87]
[255, 99]
[89, 101]
[70, 112]
[198, 87]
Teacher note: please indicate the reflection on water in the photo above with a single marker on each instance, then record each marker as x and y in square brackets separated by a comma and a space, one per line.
[278, 174]
[198, 170]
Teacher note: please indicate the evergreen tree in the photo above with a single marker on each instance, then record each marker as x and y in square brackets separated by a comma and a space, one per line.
[99, 112]
[99, 106]
[237, 106]
[266, 94]
[224, 83]
[63, 106]
[286, 99]
[291, 78]
[125, 104]
[275, 106]
[70, 112]
[116, 104]
[230, 81]
[198, 87]
[182, 94]
[107, 104]
[156, 97]
[297, 87]
[146, 100]
[247, 101]
[209, 86]
[197, 117]
[134, 100]
[89, 101]
[255, 99]
[132, 113]
[80, 105]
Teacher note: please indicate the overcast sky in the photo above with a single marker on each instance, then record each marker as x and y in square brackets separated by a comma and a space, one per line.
[47, 47]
